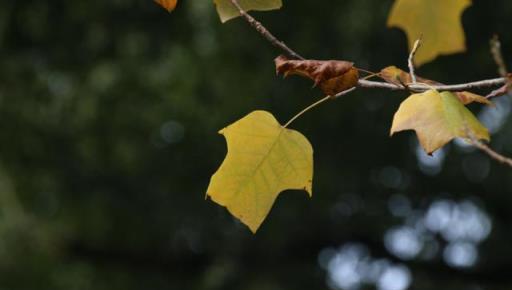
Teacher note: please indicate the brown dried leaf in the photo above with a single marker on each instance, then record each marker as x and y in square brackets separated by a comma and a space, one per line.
[394, 75]
[169, 5]
[332, 76]
[468, 98]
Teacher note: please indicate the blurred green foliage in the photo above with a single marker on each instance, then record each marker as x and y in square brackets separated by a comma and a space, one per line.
[108, 119]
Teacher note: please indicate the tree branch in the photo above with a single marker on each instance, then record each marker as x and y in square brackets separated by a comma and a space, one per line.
[264, 31]
[494, 155]
[365, 83]
[486, 149]
[414, 86]
[422, 87]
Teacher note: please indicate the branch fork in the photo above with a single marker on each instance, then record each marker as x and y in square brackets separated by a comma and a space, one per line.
[414, 86]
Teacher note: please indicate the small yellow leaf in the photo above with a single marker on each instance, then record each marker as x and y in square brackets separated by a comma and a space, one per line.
[263, 159]
[437, 118]
[438, 21]
[227, 10]
[169, 5]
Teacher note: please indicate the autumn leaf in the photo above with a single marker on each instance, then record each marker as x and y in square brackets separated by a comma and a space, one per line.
[169, 5]
[263, 159]
[394, 75]
[469, 97]
[332, 76]
[227, 10]
[437, 21]
[437, 118]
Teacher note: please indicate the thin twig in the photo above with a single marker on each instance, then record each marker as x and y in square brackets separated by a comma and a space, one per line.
[502, 69]
[422, 87]
[488, 150]
[497, 55]
[415, 48]
[264, 31]
[493, 154]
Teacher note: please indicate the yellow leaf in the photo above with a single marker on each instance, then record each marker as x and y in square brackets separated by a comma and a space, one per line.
[437, 118]
[227, 11]
[263, 159]
[438, 21]
[169, 5]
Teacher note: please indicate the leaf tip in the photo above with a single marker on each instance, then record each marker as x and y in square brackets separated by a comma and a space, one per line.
[253, 229]
[308, 188]
[168, 5]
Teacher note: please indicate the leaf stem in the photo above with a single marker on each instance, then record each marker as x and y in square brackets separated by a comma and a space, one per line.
[317, 103]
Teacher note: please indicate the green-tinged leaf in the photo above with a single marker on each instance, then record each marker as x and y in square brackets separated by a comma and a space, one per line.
[438, 21]
[263, 159]
[227, 11]
[437, 118]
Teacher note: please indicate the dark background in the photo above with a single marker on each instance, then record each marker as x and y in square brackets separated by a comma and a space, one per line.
[109, 112]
